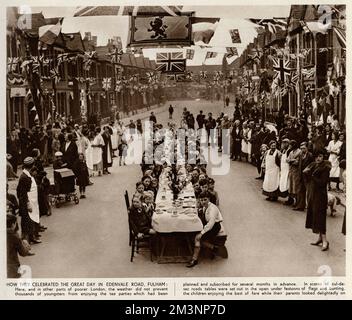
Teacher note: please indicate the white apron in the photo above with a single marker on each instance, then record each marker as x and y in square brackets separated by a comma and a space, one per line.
[272, 173]
[79, 145]
[97, 155]
[108, 154]
[285, 167]
[249, 145]
[89, 156]
[333, 158]
[114, 139]
[33, 201]
[244, 144]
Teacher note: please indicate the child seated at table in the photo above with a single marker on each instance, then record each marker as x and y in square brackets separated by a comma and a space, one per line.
[148, 202]
[140, 221]
[214, 194]
[155, 186]
[139, 189]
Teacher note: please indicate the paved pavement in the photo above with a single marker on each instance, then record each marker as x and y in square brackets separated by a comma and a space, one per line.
[264, 239]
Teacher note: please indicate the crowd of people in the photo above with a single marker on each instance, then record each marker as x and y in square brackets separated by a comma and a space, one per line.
[85, 149]
[296, 161]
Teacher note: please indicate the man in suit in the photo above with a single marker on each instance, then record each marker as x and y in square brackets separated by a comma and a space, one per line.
[210, 125]
[25, 208]
[70, 151]
[200, 119]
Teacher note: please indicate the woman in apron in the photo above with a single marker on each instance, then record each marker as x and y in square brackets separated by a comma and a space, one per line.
[333, 149]
[244, 143]
[272, 172]
[284, 169]
[97, 152]
[34, 205]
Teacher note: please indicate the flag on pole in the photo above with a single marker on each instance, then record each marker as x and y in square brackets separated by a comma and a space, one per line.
[235, 36]
[49, 33]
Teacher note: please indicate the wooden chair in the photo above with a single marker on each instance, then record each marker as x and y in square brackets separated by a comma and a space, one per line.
[127, 201]
[144, 244]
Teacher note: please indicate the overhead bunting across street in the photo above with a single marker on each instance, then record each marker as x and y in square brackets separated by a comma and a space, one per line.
[127, 10]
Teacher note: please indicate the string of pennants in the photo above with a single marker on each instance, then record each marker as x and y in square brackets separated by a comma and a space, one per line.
[20, 69]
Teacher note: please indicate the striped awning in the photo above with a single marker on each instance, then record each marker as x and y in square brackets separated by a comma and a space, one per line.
[127, 10]
[341, 36]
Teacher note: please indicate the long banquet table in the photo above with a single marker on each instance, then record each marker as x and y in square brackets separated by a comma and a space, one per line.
[176, 222]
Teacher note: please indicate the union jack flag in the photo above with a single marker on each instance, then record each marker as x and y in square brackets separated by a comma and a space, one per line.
[35, 64]
[203, 74]
[106, 83]
[217, 75]
[282, 69]
[116, 55]
[170, 62]
[87, 60]
[12, 64]
[55, 75]
[293, 80]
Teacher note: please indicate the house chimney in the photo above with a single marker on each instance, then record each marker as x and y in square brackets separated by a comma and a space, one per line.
[88, 35]
[94, 40]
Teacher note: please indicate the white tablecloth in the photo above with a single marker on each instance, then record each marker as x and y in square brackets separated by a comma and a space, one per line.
[168, 217]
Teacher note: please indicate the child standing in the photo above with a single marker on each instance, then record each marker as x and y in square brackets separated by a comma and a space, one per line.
[80, 170]
[122, 151]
